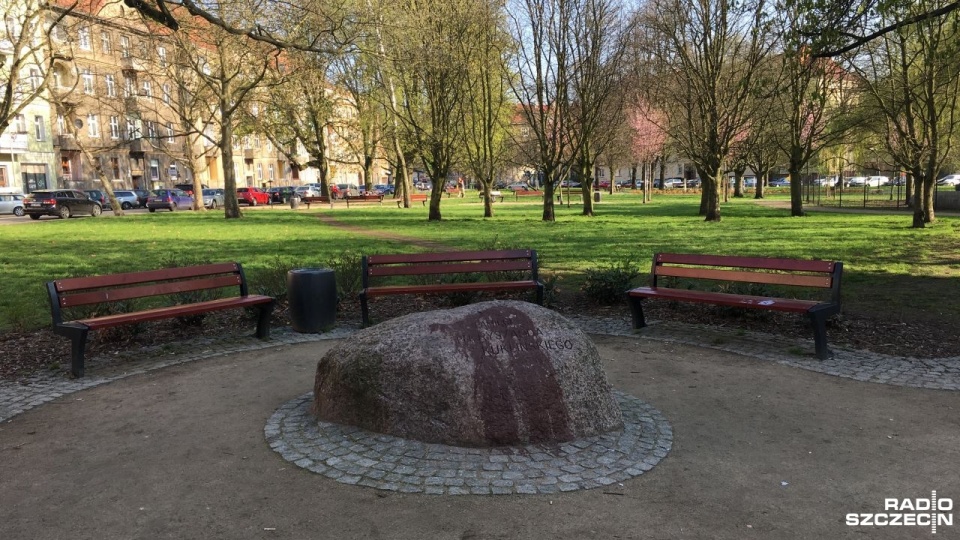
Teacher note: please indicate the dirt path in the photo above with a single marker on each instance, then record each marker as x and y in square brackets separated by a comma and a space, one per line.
[385, 235]
[760, 451]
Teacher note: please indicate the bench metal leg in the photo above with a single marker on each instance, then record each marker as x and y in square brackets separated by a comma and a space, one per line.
[364, 310]
[263, 320]
[78, 342]
[540, 288]
[636, 309]
[819, 321]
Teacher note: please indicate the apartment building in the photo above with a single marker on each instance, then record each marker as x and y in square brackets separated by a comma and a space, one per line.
[27, 158]
[113, 108]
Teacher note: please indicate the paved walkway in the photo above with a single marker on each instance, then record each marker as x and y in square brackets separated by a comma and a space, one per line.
[866, 366]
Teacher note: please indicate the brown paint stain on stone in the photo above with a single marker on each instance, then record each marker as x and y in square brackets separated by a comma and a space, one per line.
[514, 380]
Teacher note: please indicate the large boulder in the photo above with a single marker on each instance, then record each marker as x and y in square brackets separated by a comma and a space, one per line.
[491, 373]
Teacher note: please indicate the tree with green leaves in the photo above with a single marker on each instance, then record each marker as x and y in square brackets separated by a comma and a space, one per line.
[910, 78]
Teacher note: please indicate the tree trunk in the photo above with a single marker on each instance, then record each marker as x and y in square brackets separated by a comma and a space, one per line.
[586, 188]
[796, 193]
[231, 207]
[711, 196]
[487, 201]
[761, 180]
[928, 189]
[548, 213]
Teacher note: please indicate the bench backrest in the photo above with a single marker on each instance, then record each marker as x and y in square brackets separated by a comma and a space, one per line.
[765, 270]
[81, 291]
[365, 197]
[418, 196]
[520, 192]
[316, 198]
[453, 262]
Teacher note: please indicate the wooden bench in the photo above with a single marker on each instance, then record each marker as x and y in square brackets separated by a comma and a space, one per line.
[414, 197]
[448, 263]
[493, 196]
[757, 270]
[527, 193]
[450, 191]
[365, 198]
[82, 291]
[317, 199]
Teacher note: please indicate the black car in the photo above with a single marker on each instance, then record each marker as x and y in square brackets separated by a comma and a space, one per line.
[62, 203]
[142, 196]
[281, 194]
[99, 196]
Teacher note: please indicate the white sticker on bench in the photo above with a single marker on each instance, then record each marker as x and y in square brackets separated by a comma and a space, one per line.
[766, 302]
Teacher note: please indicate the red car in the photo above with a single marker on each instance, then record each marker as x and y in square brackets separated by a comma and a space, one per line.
[252, 196]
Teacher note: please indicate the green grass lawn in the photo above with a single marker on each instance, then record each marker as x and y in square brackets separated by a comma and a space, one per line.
[891, 270]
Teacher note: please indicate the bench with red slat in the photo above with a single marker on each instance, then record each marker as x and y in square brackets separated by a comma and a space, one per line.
[758, 270]
[414, 197]
[82, 291]
[447, 263]
[527, 193]
[365, 198]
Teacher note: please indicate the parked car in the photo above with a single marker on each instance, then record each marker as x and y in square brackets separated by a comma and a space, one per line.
[384, 189]
[949, 180]
[855, 181]
[99, 196]
[521, 186]
[877, 181]
[142, 196]
[779, 182]
[280, 194]
[127, 199]
[695, 182]
[61, 203]
[569, 184]
[212, 198]
[188, 188]
[307, 191]
[252, 196]
[170, 199]
[11, 204]
[670, 183]
[749, 181]
[348, 190]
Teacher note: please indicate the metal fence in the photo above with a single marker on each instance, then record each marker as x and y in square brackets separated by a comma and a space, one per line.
[882, 197]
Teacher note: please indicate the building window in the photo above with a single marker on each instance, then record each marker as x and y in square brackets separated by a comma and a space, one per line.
[93, 126]
[20, 124]
[105, 42]
[169, 132]
[111, 85]
[147, 89]
[132, 131]
[270, 172]
[83, 38]
[4, 179]
[125, 46]
[34, 79]
[38, 129]
[128, 85]
[162, 56]
[151, 130]
[155, 170]
[61, 124]
[114, 127]
[115, 167]
[87, 81]
[166, 94]
[260, 171]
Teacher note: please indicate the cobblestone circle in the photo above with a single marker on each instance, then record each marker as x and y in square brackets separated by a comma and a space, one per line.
[355, 456]
[17, 397]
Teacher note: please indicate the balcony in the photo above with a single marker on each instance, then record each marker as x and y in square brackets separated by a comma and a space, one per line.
[141, 145]
[14, 142]
[132, 103]
[248, 154]
[66, 143]
[132, 64]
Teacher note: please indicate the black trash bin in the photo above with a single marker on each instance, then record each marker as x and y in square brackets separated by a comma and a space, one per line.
[596, 196]
[312, 293]
[295, 201]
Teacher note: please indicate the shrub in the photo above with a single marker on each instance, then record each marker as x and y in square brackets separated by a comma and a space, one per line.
[606, 285]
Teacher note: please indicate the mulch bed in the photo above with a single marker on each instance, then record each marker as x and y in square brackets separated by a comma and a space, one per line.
[25, 353]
